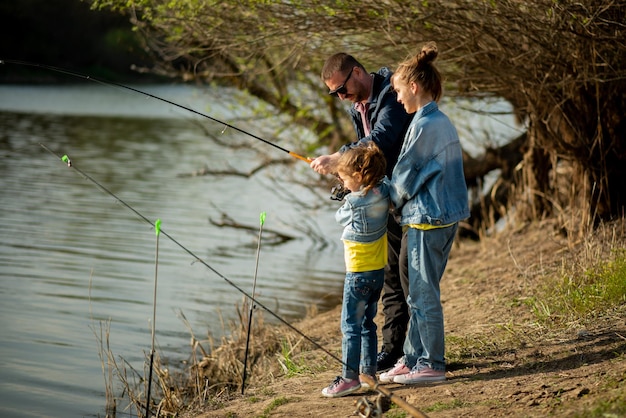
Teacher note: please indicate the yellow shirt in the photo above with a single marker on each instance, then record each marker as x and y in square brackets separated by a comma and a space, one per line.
[424, 227]
[365, 256]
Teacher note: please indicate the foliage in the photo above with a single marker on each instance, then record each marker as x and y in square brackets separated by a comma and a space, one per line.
[560, 63]
[395, 412]
[445, 406]
[267, 412]
[613, 408]
[577, 296]
[290, 366]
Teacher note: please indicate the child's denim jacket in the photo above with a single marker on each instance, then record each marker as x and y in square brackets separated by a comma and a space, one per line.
[364, 217]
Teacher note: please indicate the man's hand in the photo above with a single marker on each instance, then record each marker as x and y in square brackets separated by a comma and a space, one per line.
[325, 164]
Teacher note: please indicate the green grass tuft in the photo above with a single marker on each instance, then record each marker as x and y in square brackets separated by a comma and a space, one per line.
[273, 405]
[446, 406]
[614, 408]
[290, 366]
[577, 296]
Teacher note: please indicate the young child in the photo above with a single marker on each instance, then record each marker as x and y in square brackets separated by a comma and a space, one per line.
[364, 217]
[429, 189]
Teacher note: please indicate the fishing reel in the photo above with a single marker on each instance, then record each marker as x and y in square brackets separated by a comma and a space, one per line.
[366, 408]
[338, 192]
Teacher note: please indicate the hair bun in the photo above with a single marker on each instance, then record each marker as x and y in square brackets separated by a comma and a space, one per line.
[428, 53]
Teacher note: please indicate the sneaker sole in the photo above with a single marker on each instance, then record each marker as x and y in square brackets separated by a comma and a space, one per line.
[404, 381]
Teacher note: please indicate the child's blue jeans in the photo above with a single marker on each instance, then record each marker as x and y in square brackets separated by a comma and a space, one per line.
[361, 292]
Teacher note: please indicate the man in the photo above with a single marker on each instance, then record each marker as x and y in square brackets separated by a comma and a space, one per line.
[377, 116]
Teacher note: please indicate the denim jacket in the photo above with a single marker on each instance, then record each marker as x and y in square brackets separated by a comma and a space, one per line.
[387, 118]
[364, 217]
[428, 183]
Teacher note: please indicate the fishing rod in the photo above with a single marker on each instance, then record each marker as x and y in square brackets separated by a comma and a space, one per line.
[156, 226]
[256, 270]
[112, 83]
[414, 412]
[337, 193]
[157, 230]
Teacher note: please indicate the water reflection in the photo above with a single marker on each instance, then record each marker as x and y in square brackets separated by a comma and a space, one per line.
[72, 255]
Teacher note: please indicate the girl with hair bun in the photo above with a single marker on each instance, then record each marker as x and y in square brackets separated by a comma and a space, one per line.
[364, 218]
[429, 193]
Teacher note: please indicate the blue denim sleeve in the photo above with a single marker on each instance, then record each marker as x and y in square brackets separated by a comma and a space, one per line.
[412, 171]
[343, 216]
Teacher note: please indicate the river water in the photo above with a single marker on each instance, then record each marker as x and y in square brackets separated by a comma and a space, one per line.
[73, 257]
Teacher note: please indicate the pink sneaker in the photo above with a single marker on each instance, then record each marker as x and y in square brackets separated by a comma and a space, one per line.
[398, 370]
[340, 387]
[420, 374]
[365, 385]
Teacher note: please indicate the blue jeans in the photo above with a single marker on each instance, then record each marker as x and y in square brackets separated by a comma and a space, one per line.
[427, 253]
[361, 292]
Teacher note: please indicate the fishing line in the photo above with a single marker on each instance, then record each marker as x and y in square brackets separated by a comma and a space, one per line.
[112, 83]
[369, 380]
[70, 164]
[373, 384]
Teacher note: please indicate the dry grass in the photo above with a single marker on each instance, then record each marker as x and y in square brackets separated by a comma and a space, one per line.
[492, 333]
[214, 372]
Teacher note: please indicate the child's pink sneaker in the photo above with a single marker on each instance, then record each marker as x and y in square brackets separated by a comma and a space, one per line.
[341, 387]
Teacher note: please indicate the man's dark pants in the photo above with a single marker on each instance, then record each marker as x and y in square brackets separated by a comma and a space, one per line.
[395, 308]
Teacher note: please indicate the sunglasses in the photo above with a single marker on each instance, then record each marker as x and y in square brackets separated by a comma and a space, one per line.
[342, 88]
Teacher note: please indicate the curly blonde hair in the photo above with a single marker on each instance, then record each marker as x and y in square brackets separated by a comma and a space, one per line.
[366, 159]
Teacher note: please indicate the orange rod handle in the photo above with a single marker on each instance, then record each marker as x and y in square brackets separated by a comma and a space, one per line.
[300, 157]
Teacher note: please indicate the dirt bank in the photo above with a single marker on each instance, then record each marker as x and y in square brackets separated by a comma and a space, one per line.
[502, 362]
